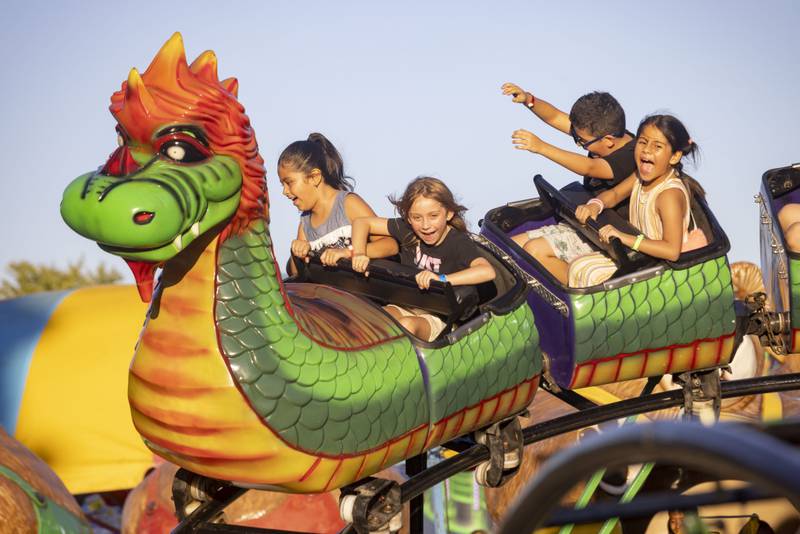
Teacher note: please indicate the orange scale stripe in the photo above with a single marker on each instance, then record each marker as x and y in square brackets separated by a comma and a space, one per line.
[586, 374]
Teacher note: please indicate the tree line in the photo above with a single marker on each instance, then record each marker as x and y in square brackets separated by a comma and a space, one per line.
[25, 277]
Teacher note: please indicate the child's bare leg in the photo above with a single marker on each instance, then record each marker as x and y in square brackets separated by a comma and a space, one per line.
[418, 326]
[541, 250]
[793, 237]
[394, 312]
[520, 239]
[789, 217]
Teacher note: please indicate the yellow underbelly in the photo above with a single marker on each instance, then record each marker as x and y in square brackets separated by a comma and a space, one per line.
[187, 407]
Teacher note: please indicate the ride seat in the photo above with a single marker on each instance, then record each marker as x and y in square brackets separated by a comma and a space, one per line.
[389, 282]
[701, 213]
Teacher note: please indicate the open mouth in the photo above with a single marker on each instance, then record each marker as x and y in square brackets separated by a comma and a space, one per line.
[430, 236]
[646, 165]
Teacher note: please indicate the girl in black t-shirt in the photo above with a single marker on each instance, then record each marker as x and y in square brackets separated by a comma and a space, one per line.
[432, 237]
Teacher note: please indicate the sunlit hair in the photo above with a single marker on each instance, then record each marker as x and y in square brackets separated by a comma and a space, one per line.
[435, 189]
[678, 138]
[317, 152]
[172, 92]
[598, 113]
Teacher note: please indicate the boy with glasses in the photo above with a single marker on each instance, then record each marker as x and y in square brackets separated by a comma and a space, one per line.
[596, 123]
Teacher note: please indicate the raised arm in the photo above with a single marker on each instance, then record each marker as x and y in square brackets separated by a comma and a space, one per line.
[542, 109]
[577, 163]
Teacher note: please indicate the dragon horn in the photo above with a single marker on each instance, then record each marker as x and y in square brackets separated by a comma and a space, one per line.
[168, 65]
[136, 94]
[231, 85]
[205, 67]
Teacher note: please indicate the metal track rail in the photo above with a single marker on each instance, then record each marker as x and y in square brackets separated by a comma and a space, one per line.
[725, 451]
[471, 455]
[476, 454]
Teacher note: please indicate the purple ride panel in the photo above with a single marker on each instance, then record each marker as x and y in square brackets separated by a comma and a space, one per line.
[556, 332]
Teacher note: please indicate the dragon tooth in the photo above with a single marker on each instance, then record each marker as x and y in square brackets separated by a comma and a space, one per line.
[196, 229]
[178, 243]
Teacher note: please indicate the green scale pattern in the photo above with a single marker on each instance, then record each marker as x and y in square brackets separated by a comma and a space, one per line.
[319, 399]
[501, 354]
[674, 308]
[344, 402]
[794, 298]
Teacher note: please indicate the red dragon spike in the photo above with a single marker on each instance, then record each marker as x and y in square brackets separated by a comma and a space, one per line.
[168, 66]
[169, 91]
[137, 97]
[205, 67]
[231, 85]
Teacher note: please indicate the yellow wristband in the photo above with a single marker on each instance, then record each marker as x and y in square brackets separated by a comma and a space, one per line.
[639, 239]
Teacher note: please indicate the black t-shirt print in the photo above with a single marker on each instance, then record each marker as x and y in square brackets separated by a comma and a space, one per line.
[455, 253]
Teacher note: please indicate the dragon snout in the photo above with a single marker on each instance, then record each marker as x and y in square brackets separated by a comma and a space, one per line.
[141, 213]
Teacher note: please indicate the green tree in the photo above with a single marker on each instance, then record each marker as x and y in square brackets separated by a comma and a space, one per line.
[26, 277]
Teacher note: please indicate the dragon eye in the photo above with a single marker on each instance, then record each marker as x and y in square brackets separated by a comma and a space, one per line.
[183, 151]
[176, 152]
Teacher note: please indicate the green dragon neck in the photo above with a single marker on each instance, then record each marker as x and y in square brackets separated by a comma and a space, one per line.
[316, 397]
[246, 272]
[334, 399]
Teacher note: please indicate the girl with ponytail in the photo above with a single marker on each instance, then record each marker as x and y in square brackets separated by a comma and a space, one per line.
[312, 175]
[660, 201]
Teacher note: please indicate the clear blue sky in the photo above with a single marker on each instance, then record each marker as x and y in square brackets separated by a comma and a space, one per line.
[402, 89]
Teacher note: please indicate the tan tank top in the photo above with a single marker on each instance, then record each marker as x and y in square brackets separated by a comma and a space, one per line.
[643, 214]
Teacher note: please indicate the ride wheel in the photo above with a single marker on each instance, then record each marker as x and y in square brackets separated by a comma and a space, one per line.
[766, 459]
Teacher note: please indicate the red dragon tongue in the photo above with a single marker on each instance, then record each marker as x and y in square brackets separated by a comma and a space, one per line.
[143, 272]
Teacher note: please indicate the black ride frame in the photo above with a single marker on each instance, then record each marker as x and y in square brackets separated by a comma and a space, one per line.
[471, 454]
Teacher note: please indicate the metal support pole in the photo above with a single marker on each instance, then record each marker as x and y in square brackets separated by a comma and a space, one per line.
[414, 466]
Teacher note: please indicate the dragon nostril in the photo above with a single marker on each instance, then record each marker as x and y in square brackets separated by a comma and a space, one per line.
[143, 217]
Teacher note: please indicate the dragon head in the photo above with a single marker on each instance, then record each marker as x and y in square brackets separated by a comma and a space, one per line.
[187, 164]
